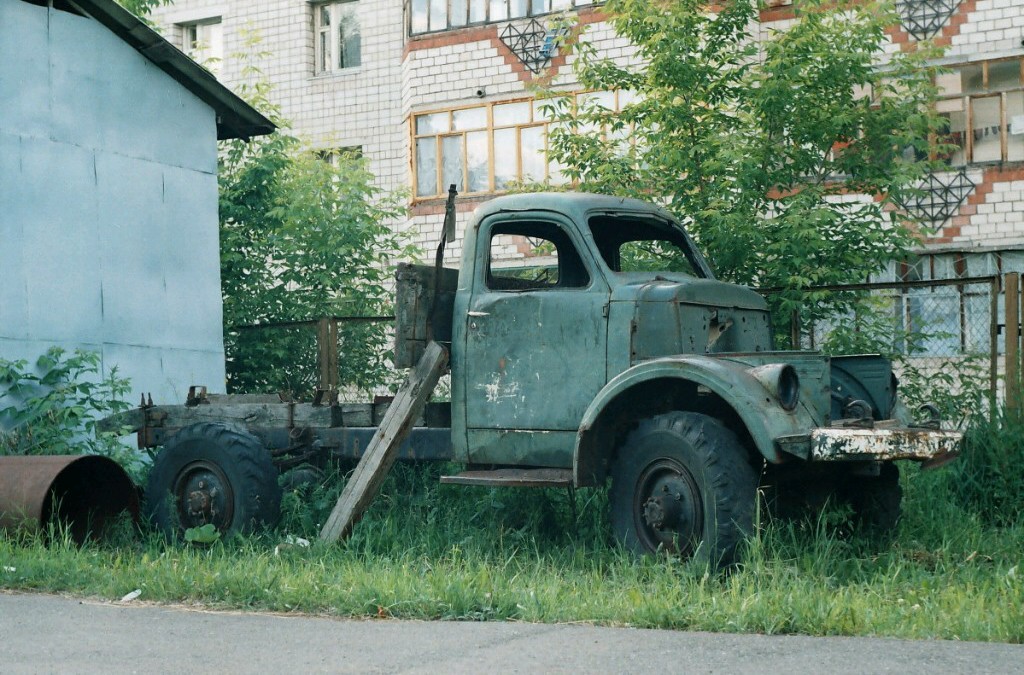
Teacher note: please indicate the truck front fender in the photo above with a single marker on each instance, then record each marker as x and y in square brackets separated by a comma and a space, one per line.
[762, 416]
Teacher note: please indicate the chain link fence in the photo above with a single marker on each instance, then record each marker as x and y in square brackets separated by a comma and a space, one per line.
[348, 356]
[944, 337]
[947, 340]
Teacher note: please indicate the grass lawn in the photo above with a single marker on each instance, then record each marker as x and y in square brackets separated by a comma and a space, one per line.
[429, 551]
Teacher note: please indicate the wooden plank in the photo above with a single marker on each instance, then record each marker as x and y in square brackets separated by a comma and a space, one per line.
[248, 414]
[414, 302]
[1012, 288]
[380, 455]
[327, 353]
[356, 414]
[243, 398]
[128, 421]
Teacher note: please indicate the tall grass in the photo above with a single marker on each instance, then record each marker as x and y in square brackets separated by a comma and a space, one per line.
[432, 551]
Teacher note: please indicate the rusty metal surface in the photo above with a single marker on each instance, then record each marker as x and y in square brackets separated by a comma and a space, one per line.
[835, 444]
[83, 492]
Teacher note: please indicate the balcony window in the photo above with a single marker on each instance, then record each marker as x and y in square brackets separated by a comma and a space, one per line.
[984, 107]
[488, 148]
[437, 15]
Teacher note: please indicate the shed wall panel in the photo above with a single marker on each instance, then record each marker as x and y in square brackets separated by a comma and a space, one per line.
[108, 206]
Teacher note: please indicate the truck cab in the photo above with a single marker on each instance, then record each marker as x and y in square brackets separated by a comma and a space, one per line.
[588, 343]
[588, 333]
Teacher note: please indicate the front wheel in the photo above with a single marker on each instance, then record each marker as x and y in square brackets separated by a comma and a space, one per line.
[212, 474]
[682, 483]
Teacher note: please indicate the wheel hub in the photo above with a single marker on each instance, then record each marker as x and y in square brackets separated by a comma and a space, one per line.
[203, 494]
[662, 512]
[202, 503]
[668, 507]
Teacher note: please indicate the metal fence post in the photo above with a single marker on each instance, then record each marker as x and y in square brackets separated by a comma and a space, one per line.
[794, 329]
[993, 385]
[1012, 289]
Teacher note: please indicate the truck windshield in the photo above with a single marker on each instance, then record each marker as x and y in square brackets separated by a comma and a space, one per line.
[634, 243]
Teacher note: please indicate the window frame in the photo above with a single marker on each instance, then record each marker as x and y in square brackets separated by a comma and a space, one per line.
[537, 119]
[569, 251]
[196, 43]
[326, 62]
[967, 101]
[546, 8]
[332, 155]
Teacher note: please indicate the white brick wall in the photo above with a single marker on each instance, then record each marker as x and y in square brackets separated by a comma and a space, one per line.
[995, 27]
[370, 106]
[356, 106]
[999, 220]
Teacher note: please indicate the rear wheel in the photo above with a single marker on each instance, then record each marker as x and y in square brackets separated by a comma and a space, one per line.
[213, 474]
[682, 483]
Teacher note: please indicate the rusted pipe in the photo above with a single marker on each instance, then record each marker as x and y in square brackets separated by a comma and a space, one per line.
[82, 493]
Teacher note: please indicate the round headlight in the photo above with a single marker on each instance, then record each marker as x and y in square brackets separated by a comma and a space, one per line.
[788, 391]
[781, 380]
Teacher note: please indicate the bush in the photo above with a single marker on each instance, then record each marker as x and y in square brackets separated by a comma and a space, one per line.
[52, 408]
[988, 478]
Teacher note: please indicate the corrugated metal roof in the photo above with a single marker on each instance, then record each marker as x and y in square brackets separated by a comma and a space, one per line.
[235, 117]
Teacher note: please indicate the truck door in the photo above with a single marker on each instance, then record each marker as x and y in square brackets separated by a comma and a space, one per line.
[536, 338]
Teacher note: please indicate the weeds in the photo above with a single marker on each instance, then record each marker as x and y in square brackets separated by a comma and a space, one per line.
[988, 479]
[431, 551]
[51, 408]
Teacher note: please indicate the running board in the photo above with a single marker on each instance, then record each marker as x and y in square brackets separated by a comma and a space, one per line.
[551, 478]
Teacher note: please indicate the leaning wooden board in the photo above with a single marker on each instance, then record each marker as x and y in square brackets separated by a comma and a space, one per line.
[380, 455]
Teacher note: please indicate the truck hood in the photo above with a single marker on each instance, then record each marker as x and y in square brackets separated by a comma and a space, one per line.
[668, 316]
[680, 288]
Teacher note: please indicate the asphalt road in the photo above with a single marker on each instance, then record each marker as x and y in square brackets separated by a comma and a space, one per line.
[41, 633]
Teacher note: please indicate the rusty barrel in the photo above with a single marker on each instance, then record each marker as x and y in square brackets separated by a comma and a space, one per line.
[83, 493]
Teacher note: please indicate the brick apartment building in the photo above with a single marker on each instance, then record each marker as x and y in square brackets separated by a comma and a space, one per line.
[439, 91]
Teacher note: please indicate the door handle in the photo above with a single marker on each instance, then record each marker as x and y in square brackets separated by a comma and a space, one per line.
[475, 315]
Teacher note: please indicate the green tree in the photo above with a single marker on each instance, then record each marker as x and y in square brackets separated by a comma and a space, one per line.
[301, 239]
[759, 146]
[142, 7]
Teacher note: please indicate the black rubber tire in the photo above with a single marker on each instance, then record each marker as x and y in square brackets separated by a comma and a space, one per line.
[876, 500]
[682, 483]
[230, 471]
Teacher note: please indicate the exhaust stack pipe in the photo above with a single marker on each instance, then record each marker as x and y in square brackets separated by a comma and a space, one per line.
[80, 492]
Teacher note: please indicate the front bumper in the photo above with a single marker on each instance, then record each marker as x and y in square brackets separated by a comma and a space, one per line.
[838, 444]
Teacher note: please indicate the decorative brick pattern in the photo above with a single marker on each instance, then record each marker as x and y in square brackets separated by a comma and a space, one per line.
[371, 106]
[945, 37]
[992, 215]
[985, 29]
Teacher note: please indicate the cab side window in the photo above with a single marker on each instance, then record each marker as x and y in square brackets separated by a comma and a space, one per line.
[533, 255]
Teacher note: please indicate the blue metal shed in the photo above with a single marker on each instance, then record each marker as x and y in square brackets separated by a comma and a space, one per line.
[108, 194]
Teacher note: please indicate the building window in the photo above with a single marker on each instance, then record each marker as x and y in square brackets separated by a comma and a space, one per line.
[434, 15]
[204, 42]
[487, 148]
[336, 29]
[983, 104]
[333, 156]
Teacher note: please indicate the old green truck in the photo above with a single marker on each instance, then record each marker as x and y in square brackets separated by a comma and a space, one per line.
[589, 342]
